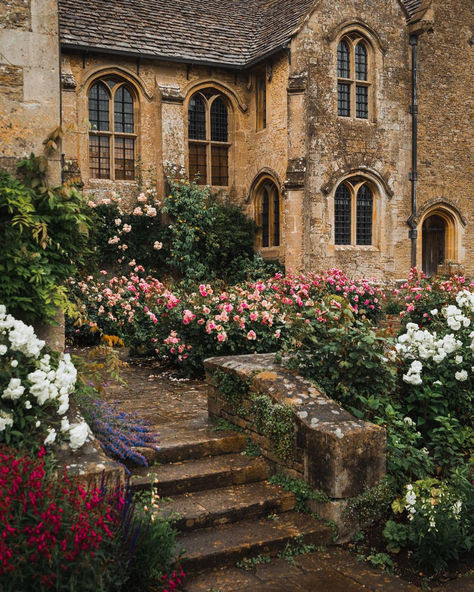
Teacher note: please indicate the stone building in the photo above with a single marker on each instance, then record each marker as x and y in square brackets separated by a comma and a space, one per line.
[342, 127]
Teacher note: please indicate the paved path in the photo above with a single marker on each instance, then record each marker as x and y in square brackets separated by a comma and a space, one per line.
[167, 403]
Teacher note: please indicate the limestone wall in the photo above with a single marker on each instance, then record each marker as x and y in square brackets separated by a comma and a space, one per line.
[445, 122]
[336, 146]
[29, 80]
[163, 93]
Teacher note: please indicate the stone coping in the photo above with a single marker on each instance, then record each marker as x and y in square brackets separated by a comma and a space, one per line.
[338, 453]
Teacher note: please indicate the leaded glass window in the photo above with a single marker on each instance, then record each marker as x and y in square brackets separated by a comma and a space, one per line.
[353, 84]
[353, 213]
[208, 134]
[342, 215]
[112, 131]
[364, 216]
[267, 214]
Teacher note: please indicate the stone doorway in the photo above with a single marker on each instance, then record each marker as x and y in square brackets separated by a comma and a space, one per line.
[433, 244]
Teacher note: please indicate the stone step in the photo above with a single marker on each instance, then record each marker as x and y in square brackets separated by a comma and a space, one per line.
[228, 504]
[211, 547]
[200, 474]
[192, 439]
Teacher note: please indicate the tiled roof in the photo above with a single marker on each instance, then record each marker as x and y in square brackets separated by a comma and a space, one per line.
[232, 33]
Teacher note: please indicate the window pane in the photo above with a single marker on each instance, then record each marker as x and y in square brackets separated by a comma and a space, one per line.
[362, 102]
[99, 108]
[123, 111]
[125, 158]
[361, 61]
[343, 99]
[99, 157]
[196, 118]
[265, 218]
[342, 215]
[276, 219]
[343, 60]
[220, 169]
[198, 163]
[364, 216]
[219, 127]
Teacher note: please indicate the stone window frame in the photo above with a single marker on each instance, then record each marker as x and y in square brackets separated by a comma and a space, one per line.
[353, 35]
[353, 183]
[208, 142]
[261, 101]
[120, 82]
[264, 183]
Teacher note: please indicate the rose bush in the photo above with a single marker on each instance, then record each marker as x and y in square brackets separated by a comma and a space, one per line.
[35, 385]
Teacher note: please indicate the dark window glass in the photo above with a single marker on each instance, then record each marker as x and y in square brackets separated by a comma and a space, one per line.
[196, 119]
[219, 125]
[261, 102]
[342, 215]
[99, 157]
[99, 108]
[343, 70]
[198, 163]
[362, 102]
[276, 219]
[219, 162]
[361, 61]
[364, 216]
[123, 111]
[125, 158]
[265, 218]
[343, 99]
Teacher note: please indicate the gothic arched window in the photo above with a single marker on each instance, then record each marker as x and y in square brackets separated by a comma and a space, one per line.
[268, 214]
[353, 213]
[353, 84]
[112, 134]
[208, 138]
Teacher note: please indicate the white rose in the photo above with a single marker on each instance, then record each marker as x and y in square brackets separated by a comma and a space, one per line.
[51, 437]
[461, 376]
[14, 390]
[78, 433]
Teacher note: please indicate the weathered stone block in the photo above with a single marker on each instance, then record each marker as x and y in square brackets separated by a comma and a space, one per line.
[11, 81]
[333, 451]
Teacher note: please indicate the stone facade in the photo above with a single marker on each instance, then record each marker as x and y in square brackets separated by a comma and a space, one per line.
[306, 149]
[29, 80]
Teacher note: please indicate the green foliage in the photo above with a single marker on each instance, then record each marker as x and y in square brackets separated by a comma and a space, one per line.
[381, 560]
[207, 237]
[372, 505]
[436, 522]
[275, 421]
[232, 388]
[251, 448]
[249, 563]
[43, 239]
[223, 425]
[296, 547]
[303, 492]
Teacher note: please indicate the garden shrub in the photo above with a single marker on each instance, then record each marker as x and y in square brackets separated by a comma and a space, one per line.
[35, 385]
[43, 239]
[437, 521]
[56, 534]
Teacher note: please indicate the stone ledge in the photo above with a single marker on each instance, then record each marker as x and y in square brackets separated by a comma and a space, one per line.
[334, 451]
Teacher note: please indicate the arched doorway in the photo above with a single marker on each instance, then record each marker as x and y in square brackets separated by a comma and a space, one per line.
[267, 213]
[433, 243]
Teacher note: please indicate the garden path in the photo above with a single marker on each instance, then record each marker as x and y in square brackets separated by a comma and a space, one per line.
[178, 409]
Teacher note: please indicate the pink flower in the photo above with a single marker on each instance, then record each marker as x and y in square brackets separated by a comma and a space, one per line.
[251, 335]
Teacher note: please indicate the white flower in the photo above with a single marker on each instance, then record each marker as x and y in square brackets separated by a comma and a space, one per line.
[65, 424]
[434, 312]
[51, 437]
[78, 433]
[114, 240]
[6, 419]
[127, 228]
[38, 423]
[3, 350]
[14, 389]
[457, 509]
[117, 221]
[27, 404]
[461, 375]
[14, 363]
[409, 421]
[157, 245]
[458, 359]
[23, 339]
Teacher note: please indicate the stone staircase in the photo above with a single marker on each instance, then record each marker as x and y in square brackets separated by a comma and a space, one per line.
[226, 508]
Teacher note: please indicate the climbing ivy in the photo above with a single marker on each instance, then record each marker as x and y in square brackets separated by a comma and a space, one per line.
[276, 422]
[232, 388]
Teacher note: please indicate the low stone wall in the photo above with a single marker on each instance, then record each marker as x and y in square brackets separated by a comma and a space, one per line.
[329, 448]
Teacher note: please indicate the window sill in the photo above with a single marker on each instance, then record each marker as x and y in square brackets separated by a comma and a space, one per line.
[269, 252]
[95, 181]
[356, 248]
